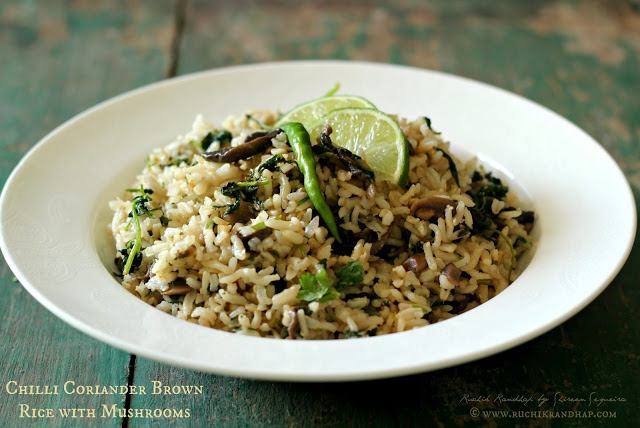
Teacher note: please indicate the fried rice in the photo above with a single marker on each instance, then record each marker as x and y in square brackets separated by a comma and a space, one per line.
[243, 273]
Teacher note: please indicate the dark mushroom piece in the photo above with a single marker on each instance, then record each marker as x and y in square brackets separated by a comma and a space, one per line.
[416, 263]
[526, 219]
[380, 242]
[260, 234]
[294, 327]
[177, 290]
[254, 144]
[342, 158]
[430, 207]
[452, 273]
[242, 215]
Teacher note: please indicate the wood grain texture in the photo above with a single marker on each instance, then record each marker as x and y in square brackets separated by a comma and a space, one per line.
[578, 58]
[59, 58]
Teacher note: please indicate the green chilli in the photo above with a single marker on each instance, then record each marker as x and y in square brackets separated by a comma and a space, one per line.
[301, 145]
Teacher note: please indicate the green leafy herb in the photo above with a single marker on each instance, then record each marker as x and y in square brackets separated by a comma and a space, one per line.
[164, 220]
[300, 250]
[240, 191]
[259, 226]
[271, 164]
[137, 243]
[428, 122]
[178, 161]
[259, 122]
[351, 274]
[139, 208]
[318, 287]
[322, 287]
[333, 90]
[486, 188]
[124, 256]
[302, 201]
[511, 251]
[223, 137]
[452, 165]
[252, 183]
[247, 190]
[521, 242]
[370, 310]
[140, 190]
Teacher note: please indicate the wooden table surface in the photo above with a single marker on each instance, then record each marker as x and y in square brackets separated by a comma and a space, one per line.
[581, 59]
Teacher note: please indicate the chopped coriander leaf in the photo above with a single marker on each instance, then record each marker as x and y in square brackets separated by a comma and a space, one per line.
[259, 226]
[452, 165]
[302, 201]
[310, 289]
[323, 278]
[260, 123]
[370, 310]
[351, 274]
[300, 250]
[485, 189]
[223, 137]
[240, 191]
[330, 295]
[123, 256]
[252, 183]
[333, 90]
[521, 242]
[511, 251]
[318, 287]
[140, 190]
[428, 122]
[137, 245]
[270, 164]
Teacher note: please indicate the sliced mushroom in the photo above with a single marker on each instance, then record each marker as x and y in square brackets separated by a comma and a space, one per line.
[242, 215]
[294, 326]
[526, 219]
[416, 263]
[254, 144]
[260, 234]
[430, 207]
[380, 242]
[177, 290]
[453, 274]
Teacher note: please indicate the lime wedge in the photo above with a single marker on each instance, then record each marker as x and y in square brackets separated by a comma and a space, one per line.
[374, 136]
[310, 113]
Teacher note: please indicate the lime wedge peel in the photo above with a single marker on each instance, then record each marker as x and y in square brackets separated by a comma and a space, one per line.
[374, 136]
[312, 112]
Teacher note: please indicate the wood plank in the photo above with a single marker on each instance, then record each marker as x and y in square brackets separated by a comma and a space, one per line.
[580, 61]
[58, 58]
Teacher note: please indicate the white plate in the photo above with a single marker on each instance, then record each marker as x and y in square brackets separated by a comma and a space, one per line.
[55, 203]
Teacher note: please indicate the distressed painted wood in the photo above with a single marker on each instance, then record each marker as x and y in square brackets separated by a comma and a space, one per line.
[59, 58]
[578, 58]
